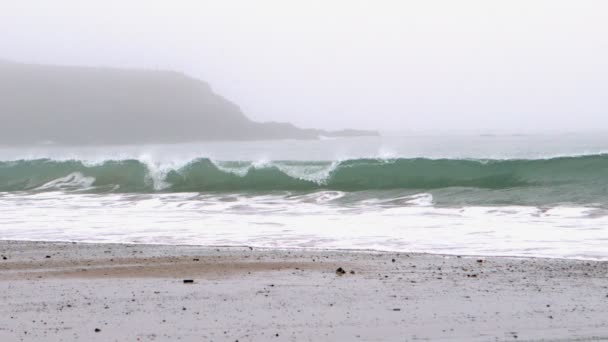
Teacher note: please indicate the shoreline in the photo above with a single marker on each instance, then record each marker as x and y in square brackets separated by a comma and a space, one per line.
[131, 291]
[310, 249]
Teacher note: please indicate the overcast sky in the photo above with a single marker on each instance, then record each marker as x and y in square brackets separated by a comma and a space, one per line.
[399, 65]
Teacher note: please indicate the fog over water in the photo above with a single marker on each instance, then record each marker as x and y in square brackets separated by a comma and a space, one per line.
[515, 66]
[221, 123]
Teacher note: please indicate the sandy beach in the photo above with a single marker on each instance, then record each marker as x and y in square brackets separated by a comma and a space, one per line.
[110, 292]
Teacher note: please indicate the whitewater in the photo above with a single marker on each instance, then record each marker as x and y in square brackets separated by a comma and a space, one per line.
[510, 195]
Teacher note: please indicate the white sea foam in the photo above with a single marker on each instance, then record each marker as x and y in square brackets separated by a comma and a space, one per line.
[326, 219]
[240, 168]
[421, 200]
[157, 171]
[313, 221]
[73, 181]
[317, 172]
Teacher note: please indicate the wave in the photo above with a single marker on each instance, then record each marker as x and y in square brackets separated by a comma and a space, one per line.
[201, 175]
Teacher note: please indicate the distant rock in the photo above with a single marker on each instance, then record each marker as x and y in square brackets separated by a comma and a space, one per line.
[87, 105]
[347, 133]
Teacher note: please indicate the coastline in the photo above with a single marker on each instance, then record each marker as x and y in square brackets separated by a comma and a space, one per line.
[131, 291]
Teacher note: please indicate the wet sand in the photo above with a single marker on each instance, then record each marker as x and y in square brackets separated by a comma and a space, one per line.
[108, 292]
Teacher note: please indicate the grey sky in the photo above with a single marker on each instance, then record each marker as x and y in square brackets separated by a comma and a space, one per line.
[515, 65]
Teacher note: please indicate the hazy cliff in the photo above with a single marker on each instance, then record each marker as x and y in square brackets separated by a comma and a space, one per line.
[85, 105]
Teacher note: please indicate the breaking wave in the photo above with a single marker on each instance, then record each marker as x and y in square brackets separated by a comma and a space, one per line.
[202, 175]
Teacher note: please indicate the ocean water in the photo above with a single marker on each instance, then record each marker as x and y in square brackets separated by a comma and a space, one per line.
[513, 195]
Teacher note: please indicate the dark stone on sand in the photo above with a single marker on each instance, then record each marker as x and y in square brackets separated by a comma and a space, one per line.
[196, 259]
[340, 271]
[393, 260]
[396, 309]
[188, 281]
[97, 330]
[480, 260]
[352, 272]
[48, 256]
[4, 258]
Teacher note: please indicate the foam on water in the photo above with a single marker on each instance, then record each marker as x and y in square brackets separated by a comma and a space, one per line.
[73, 181]
[318, 220]
[541, 196]
[317, 172]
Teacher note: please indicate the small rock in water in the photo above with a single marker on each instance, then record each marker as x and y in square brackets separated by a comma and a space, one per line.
[480, 260]
[352, 272]
[188, 281]
[393, 260]
[340, 271]
[48, 256]
[97, 330]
